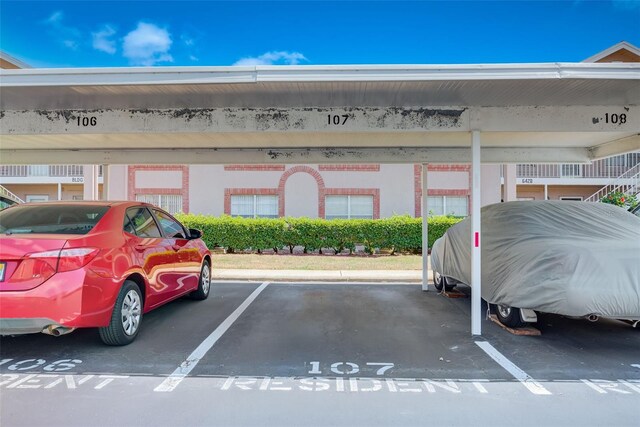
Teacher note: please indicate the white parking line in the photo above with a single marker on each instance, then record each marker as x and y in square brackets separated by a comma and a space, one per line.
[187, 366]
[526, 380]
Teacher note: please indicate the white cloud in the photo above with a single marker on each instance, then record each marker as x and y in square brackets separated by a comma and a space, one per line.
[71, 44]
[194, 58]
[102, 41]
[69, 37]
[273, 57]
[188, 41]
[626, 5]
[147, 45]
[55, 18]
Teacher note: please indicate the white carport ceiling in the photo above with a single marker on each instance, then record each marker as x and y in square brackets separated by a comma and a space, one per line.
[403, 113]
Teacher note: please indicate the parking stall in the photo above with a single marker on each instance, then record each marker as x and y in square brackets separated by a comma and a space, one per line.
[322, 353]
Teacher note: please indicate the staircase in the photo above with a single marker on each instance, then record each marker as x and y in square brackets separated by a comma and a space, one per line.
[628, 183]
[6, 194]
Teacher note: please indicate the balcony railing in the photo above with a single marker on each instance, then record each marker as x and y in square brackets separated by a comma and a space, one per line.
[23, 171]
[609, 168]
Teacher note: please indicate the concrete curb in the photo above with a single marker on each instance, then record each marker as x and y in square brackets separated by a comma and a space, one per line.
[320, 275]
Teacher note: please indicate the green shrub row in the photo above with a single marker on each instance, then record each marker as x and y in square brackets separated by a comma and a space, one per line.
[397, 233]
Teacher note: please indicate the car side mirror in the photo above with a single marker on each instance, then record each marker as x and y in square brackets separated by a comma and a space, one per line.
[194, 234]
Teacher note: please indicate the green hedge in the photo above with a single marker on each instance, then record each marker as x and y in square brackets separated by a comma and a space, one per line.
[398, 233]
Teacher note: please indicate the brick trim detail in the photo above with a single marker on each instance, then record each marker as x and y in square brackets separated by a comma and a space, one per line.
[260, 168]
[305, 169]
[375, 192]
[132, 190]
[322, 192]
[449, 168]
[354, 168]
[228, 192]
[417, 185]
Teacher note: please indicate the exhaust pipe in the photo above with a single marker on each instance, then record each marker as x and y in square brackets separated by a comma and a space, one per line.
[57, 330]
[593, 318]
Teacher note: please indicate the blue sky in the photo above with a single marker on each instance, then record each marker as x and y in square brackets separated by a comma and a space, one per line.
[126, 33]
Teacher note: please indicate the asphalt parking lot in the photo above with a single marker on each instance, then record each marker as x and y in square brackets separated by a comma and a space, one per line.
[325, 354]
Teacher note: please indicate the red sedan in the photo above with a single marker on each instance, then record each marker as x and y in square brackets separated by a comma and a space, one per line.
[68, 265]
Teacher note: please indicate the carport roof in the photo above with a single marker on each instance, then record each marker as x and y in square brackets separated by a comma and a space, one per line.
[495, 85]
[526, 112]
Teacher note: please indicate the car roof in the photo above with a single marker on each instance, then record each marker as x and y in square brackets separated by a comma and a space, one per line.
[89, 203]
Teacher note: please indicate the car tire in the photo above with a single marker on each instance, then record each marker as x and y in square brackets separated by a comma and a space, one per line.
[509, 316]
[439, 281]
[126, 317]
[204, 283]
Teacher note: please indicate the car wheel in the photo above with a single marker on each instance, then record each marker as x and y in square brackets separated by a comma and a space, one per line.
[440, 281]
[204, 283]
[126, 317]
[509, 316]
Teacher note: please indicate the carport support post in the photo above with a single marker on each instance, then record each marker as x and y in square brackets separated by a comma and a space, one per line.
[476, 273]
[425, 229]
[105, 182]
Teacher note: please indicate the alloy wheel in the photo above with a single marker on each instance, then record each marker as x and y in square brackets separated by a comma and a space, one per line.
[130, 312]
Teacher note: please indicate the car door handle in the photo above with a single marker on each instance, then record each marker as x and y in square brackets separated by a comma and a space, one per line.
[140, 248]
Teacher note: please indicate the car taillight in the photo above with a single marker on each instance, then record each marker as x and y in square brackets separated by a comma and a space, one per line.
[40, 266]
[73, 259]
[35, 270]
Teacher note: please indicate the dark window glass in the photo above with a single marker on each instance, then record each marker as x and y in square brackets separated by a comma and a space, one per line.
[128, 226]
[51, 219]
[170, 226]
[143, 223]
[4, 203]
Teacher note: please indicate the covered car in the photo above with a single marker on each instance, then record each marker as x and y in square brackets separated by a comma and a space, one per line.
[563, 257]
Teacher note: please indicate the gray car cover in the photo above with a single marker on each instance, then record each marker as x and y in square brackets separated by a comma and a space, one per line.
[569, 258]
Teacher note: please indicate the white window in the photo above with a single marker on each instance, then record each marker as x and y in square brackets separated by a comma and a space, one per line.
[524, 199]
[572, 170]
[37, 198]
[448, 205]
[38, 170]
[171, 203]
[254, 206]
[349, 207]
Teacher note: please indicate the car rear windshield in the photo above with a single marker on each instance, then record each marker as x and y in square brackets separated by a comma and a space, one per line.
[52, 219]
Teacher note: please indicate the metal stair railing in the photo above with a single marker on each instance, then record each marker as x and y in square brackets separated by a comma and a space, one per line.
[628, 182]
[9, 195]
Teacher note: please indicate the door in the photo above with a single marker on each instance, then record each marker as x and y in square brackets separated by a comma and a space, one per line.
[188, 267]
[154, 253]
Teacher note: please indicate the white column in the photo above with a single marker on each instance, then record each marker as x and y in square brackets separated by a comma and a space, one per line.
[546, 192]
[476, 272]
[59, 191]
[96, 183]
[90, 173]
[510, 181]
[105, 182]
[425, 229]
